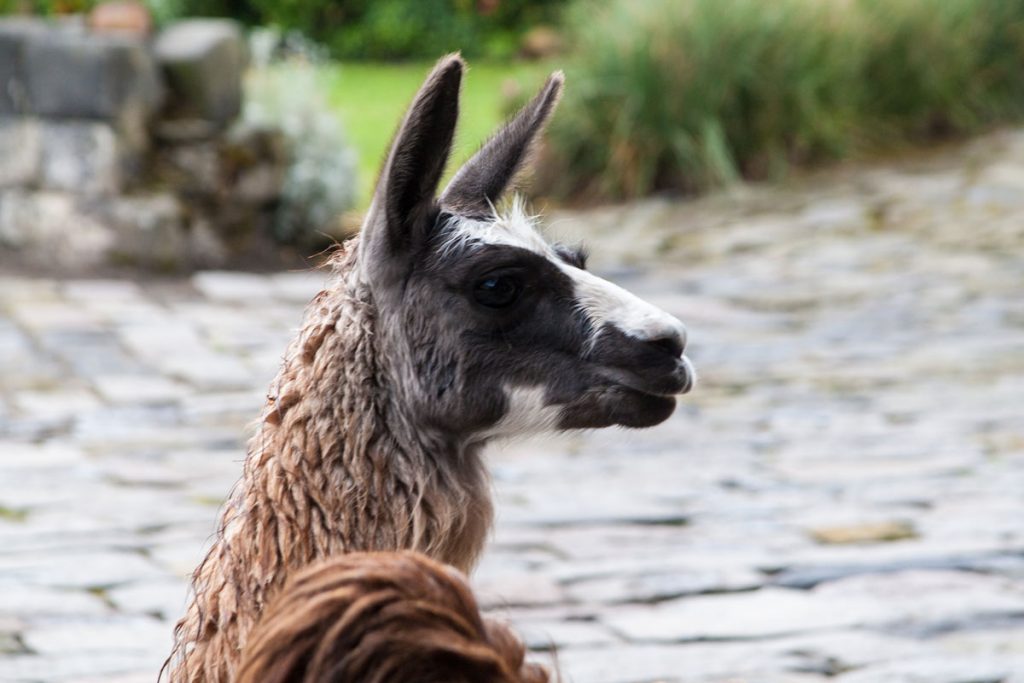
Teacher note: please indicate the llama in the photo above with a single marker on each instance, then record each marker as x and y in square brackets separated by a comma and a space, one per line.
[394, 617]
[446, 324]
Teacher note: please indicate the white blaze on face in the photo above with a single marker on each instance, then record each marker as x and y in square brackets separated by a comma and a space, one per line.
[602, 302]
[607, 303]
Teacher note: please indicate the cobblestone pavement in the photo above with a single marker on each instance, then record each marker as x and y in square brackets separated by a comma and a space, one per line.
[841, 499]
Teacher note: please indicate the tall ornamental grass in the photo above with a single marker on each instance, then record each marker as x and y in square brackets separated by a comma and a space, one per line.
[690, 94]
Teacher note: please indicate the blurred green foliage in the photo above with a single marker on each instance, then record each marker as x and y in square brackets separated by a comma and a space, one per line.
[392, 29]
[45, 7]
[671, 95]
[361, 29]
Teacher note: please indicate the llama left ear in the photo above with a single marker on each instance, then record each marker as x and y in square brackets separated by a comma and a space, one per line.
[479, 184]
[405, 190]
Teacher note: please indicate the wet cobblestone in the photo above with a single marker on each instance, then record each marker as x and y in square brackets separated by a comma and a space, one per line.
[842, 499]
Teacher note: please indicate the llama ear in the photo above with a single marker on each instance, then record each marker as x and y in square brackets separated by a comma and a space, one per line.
[480, 183]
[414, 165]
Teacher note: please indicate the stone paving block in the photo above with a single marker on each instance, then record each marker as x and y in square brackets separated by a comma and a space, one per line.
[941, 670]
[557, 635]
[994, 640]
[94, 290]
[34, 602]
[140, 470]
[88, 349]
[155, 506]
[769, 612]
[166, 599]
[656, 587]
[15, 346]
[233, 287]
[162, 337]
[138, 389]
[79, 570]
[142, 676]
[921, 603]
[61, 316]
[299, 287]
[16, 455]
[206, 370]
[14, 289]
[667, 663]
[31, 668]
[583, 506]
[264, 365]
[55, 404]
[181, 558]
[113, 634]
[497, 587]
[219, 407]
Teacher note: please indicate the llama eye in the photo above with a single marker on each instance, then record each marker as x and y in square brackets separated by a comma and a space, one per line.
[498, 291]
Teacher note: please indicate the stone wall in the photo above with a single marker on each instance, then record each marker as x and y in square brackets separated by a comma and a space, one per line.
[118, 147]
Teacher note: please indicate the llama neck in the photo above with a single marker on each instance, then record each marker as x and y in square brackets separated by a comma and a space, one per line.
[336, 466]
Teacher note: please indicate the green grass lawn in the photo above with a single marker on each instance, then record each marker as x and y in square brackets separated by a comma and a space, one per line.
[370, 98]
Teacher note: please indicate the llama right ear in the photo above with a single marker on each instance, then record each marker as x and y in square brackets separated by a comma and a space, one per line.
[414, 165]
[479, 184]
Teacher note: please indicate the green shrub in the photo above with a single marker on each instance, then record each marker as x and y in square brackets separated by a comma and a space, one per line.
[690, 94]
[388, 29]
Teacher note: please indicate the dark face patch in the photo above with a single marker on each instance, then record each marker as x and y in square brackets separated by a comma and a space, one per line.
[478, 320]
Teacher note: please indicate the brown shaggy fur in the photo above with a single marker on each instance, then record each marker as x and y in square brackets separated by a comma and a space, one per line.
[381, 618]
[333, 468]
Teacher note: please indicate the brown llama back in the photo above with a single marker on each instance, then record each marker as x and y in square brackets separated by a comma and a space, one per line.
[381, 617]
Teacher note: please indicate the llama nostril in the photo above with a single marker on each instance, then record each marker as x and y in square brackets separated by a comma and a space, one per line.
[672, 343]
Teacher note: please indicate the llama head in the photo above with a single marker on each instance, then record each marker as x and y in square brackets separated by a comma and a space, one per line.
[487, 329]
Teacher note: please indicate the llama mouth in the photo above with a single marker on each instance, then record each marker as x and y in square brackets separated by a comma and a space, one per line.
[679, 380]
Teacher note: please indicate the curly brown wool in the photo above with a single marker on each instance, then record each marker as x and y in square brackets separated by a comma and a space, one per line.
[381, 618]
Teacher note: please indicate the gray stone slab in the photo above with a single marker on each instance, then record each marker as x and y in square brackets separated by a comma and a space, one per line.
[138, 388]
[21, 150]
[54, 224]
[90, 76]
[165, 599]
[33, 602]
[77, 666]
[497, 587]
[100, 568]
[656, 587]
[203, 60]
[81, 157]
[111, 635]
[932, 669]
[769, 612]
[15, 32]
[233, 287]
[151, 230]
